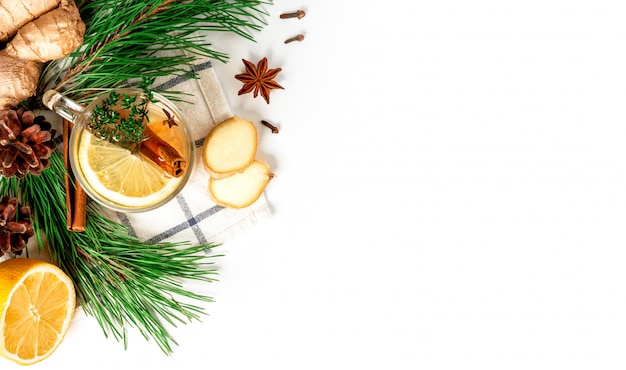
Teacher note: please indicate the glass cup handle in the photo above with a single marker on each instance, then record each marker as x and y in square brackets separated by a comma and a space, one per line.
[62, 105]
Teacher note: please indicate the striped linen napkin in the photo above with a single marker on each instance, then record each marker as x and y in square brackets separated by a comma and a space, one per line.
[192, 215]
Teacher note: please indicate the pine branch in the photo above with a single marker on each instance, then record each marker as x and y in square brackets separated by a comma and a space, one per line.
[120, 280]
[123, 47]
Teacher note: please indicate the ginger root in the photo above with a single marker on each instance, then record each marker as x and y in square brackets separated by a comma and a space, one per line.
[18, 80]
[52, 36]
[16, 13]
[38, 31]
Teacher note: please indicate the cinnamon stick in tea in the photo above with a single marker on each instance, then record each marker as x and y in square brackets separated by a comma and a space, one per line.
[163, 154]
[75, 196]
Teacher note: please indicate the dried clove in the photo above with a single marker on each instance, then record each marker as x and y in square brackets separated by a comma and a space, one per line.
[298, 38]
[270, 126]
[297, 14]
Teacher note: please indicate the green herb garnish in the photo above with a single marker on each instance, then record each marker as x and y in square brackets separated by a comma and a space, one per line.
[125, 130]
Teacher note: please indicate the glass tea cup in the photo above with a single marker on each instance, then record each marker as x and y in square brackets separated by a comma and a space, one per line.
[115, 169]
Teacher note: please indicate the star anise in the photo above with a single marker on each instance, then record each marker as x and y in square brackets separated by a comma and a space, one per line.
[258, 79]
[170, 119]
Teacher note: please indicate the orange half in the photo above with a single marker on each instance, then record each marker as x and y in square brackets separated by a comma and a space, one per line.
[37, 302]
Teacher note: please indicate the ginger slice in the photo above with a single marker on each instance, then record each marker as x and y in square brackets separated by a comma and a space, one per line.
[241, 189]
[229, 147]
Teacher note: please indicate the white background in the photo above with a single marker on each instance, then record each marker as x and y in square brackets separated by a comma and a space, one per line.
[450, 194]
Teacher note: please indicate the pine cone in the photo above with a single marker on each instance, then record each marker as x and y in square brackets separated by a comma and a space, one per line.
[14, 231]
[26, 143]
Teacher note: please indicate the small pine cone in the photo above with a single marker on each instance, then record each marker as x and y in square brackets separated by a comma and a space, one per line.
[26, 143]
[14, 231]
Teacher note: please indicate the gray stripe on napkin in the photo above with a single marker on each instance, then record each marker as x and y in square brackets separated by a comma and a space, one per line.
[191, 222]
[167, 85]
[126, 222]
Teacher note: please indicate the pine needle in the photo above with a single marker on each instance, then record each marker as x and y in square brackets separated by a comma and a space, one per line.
[123, 47]
[120, 280]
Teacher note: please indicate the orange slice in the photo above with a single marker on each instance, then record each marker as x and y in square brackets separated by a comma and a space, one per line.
[37, 302]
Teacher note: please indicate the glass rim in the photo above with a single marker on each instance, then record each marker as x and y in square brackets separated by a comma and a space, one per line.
[80, 129]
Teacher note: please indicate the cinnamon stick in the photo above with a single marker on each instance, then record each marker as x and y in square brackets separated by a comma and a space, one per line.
[75, 196]
[163, 154]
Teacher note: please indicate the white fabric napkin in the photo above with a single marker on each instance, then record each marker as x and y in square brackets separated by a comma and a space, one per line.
[192, 215]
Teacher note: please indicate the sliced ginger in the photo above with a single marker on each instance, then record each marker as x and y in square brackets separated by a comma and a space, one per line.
[229, 147]
[241, 189]
[237, 178]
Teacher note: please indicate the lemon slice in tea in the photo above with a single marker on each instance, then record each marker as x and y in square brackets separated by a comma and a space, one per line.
[122, 177]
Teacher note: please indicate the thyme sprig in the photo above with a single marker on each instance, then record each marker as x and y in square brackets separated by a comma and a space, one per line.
[108, 123]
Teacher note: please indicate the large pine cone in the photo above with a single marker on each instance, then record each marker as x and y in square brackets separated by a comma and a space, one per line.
[14, 231]
[26, 143]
